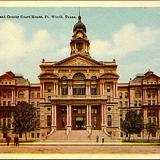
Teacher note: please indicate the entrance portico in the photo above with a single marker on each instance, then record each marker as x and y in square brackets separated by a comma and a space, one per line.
[78, 114]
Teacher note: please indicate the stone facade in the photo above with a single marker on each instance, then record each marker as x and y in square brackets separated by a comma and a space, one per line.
[80, 93]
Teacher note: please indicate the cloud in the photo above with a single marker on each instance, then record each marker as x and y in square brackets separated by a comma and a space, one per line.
[128, 39]
[13, 41]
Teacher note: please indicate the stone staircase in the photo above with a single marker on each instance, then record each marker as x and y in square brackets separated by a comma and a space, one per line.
[78, 136]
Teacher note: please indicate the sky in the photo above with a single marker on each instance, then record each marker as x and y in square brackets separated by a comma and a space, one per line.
[129, 35]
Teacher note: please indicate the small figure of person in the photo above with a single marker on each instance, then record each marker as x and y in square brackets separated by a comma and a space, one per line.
[97, 138]
[8, 139]
[102, 139]
[16, 141]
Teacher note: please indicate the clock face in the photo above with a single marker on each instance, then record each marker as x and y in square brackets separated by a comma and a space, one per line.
[79, 34]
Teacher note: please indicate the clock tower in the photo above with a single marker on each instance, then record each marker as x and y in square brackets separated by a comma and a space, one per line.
[79, 43]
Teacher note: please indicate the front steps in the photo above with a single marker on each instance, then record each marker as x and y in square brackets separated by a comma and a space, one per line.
[78, 136]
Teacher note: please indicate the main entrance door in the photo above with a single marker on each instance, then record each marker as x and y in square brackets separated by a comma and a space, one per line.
[61, 117]
[78, 117]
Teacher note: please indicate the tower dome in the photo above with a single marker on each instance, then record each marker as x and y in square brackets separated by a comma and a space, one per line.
[79, 25]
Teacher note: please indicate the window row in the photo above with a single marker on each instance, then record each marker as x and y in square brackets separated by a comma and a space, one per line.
[5, 103]
[123, 94]
[123, 104]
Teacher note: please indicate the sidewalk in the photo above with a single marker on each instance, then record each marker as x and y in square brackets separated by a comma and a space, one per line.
[44, 143]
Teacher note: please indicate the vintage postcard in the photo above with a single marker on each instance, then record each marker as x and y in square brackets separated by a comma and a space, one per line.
[79, 80]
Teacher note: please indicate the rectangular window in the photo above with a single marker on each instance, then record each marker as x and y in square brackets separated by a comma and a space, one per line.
[32, 95]
[135, 103]
[93, 89]
[38, 95]
[121, 134]
[32, 135]
[83, 111]
[48, 88]
[37, 104]
[153, 102]
[126, 94]
[48, 121]
[108, 88]
[37, 135]
[149, 102]
[109, 120]
[120, 95]
[9, 103]
[79, 111]
[153, 94]
[64, 89]
[149, 94]
[4, 103]
[79, 89]
[154, 120]
[121, 103]
[138, 93]
[126, 103]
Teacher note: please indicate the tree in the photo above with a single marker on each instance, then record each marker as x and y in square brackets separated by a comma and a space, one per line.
[151, 128]
[24, 118]
[133, 123]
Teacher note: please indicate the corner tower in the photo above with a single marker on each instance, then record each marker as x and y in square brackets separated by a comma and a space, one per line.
[79, 43]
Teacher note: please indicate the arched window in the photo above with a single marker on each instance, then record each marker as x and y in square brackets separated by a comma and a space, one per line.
[20, 94]
[79, 87]
[64, 85]
[79, 77]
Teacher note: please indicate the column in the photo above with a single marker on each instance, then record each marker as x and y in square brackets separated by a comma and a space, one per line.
[89, 124]
[43, 90]
[144, 96]
[54, 116]
[88, 90]
[158, 101]
[159, 117]
[104, 116]
[71, 91]
[101, 88]
[145, 116]
[69, 116]
[54, 89]
[103, 113]
[60, 89]
[13, 97]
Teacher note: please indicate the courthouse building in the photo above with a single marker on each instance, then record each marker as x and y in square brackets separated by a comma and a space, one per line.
[79, 97]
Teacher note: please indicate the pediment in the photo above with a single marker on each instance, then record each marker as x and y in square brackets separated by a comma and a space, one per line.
[109, 75]
[79, 60]
[151, 77]
[5, 77]
[47, 75]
